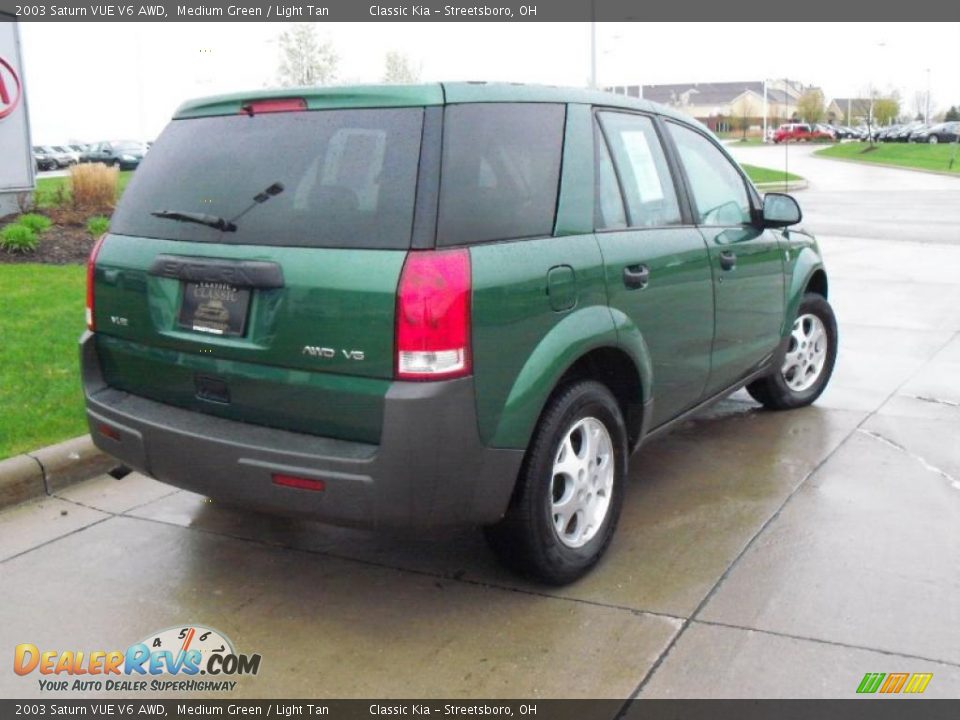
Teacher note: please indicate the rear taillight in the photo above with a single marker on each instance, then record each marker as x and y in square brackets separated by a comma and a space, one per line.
[433, 316]
[91, 265]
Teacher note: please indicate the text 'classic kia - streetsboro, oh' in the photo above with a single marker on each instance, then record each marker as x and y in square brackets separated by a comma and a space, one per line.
[440, 304]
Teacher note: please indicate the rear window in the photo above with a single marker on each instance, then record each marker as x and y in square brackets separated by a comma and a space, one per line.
[501, 170]
[348, 178]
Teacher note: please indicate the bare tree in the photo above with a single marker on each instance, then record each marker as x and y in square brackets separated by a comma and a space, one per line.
[920, 105]
[810, 105]
[399, 69]
[305, 59]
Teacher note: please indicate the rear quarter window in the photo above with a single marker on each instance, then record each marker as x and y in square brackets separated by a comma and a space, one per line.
[349, 179]
[500, 171]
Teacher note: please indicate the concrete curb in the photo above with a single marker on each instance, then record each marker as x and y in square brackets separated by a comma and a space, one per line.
[944, 173]
[780, 186]
[44, 471]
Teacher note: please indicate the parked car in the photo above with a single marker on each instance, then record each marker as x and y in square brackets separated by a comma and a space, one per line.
[68, 151]
[42, 159]
[941, 132]
[905, 132]
[417, 308]
[81, 150]
[824, 132]
[800, 132]
[61, 158]
[125, 154]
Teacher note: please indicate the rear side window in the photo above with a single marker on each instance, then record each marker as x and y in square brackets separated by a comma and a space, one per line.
[348, 179]
[609, 202]
[500, 171]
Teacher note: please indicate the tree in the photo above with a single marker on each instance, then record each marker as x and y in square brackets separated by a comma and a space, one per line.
[399, 69]
[886, 109]
[952, 114]
[305, 60]
[810, 105]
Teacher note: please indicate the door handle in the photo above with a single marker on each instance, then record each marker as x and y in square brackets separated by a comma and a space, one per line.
[728, 260]
[636, 277]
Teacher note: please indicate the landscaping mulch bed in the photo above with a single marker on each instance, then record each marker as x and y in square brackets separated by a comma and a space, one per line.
[66, 242]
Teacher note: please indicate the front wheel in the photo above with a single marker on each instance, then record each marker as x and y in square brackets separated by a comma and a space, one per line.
[807, 362]
[570, 489]
[933, 140]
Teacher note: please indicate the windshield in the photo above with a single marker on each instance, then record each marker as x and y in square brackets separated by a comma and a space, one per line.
[349, 179]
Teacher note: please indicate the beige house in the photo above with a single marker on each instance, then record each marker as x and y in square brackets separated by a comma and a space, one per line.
[724, 106]
[848, 111]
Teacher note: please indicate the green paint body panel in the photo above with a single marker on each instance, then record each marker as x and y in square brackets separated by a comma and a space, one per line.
[681, 285]
[317, 98]
[521, 346]
[339, 300]
[749, 301]
[803, 261]
[538, 305]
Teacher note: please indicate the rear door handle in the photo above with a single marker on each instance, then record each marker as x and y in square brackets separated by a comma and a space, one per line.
[728, 260]
[636, 277]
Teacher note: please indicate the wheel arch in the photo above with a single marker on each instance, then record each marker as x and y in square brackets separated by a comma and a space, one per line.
[809, 275]
[597, 343]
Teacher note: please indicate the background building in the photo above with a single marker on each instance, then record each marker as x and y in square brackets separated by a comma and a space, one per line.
[848, 111]
[726, 106]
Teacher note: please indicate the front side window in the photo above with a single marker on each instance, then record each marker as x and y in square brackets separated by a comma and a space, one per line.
[719, 191]
[642, 168]
[500, 171]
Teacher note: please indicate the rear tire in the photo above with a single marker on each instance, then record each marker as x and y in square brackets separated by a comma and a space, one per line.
[805, 365]
[570, 489]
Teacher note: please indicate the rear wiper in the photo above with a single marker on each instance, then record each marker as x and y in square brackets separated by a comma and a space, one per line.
[200, 218]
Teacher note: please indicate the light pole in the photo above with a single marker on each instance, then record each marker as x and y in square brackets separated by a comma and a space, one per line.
[926, 116]
[593, 44]
[593, 55]
[764, 110]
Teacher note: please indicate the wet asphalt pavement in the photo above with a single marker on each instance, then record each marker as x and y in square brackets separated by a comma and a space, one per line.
[759, 554]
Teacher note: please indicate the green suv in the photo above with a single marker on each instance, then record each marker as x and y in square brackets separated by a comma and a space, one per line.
[440, 304]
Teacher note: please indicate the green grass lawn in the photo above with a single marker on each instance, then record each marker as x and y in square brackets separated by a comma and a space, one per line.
[909, 155]
[48, 187]
[40, 396]
[761, 175]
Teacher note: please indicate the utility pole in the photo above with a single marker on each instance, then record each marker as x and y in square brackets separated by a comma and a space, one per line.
[593, 44]
[765, 110]
[927, 114]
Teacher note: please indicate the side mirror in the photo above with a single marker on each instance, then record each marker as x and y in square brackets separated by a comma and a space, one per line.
[780, 210]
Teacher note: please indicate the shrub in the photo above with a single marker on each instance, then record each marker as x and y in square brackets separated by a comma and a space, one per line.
[97, 225]
[18, 238]
[94, 185]
[37, 223]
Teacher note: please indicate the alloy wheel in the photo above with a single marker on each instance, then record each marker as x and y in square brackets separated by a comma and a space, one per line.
[806, 354]
[582, 482]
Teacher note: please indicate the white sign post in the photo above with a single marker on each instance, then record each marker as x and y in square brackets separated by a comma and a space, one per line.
[16, 157]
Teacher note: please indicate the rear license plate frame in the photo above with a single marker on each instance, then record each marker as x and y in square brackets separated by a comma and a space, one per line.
[223, 309]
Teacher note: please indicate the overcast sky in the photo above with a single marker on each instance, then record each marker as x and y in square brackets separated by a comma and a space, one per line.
[92, 81]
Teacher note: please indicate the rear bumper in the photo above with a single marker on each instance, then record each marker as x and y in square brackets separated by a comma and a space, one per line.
[430, 467]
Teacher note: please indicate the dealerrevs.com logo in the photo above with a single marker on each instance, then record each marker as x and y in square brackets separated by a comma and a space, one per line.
[171, 660]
